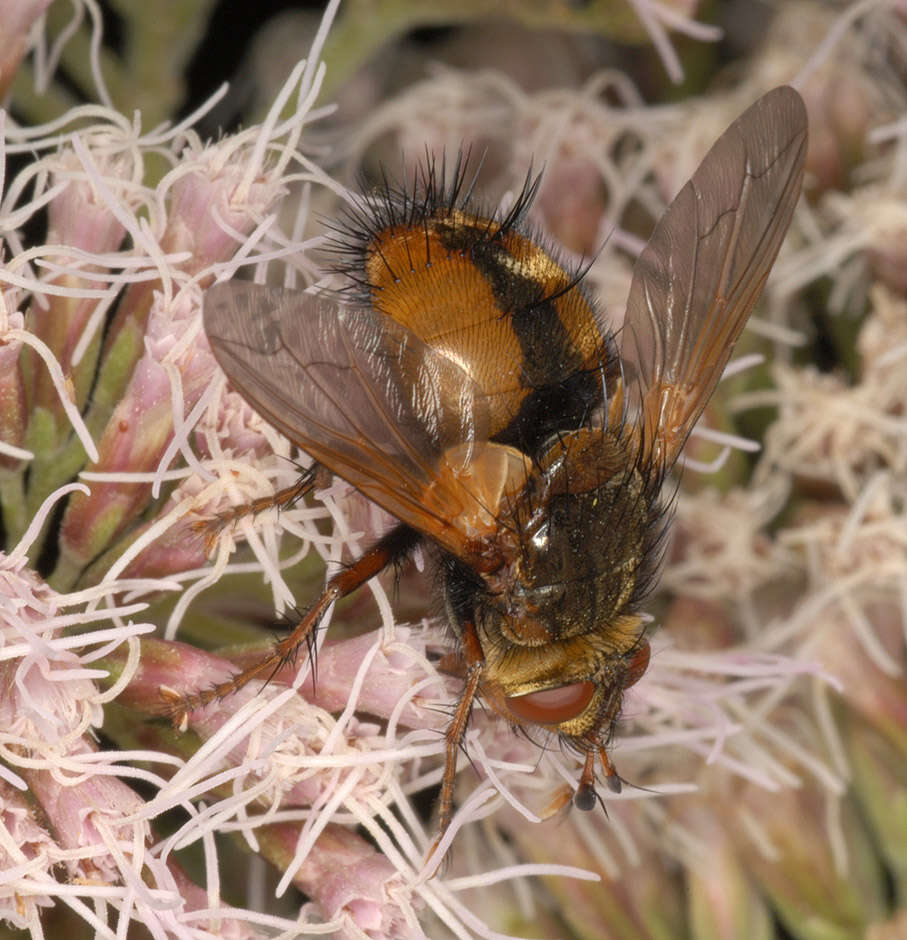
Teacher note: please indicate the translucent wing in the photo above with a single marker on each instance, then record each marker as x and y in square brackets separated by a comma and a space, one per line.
[362, 395]
[704, 267]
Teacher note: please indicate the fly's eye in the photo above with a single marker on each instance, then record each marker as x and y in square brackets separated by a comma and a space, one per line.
[552, 706]
[638, 664]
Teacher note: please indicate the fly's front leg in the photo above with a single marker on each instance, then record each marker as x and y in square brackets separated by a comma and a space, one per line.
[474, 662]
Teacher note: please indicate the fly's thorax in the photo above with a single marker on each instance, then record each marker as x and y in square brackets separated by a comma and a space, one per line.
[579, 566]
[587, 527]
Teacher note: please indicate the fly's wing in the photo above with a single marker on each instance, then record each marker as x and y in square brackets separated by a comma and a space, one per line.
[359, 393]
[704, 267]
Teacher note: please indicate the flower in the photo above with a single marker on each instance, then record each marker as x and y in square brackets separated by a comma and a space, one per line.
[762, 751]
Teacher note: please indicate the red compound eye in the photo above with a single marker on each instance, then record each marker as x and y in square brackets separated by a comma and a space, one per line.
[638, 664]
[552, 706]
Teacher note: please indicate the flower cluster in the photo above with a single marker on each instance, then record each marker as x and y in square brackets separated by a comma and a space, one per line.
[767, 742]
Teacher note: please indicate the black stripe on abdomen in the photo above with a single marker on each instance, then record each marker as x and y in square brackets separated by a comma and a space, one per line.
[563, 390]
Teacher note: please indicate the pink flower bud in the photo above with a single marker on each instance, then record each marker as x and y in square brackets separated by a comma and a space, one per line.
[17, 17]
[77, 218]
[572, 201]
[346, 878]
[27, 856]
[138, 432]
[88, 810]
[13, 407]
[133, 441]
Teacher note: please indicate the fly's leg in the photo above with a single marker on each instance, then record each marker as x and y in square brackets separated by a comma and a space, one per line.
[280, 500]
[315, 476]
[474, 662]
[393, 547]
